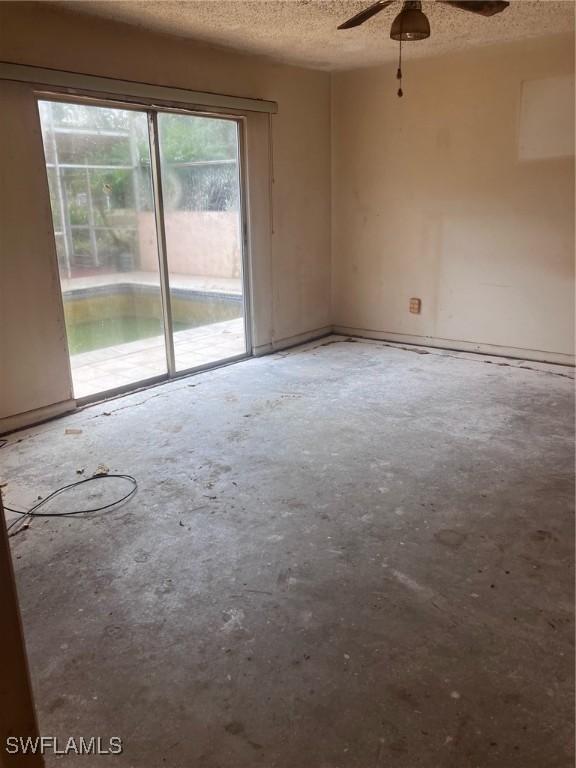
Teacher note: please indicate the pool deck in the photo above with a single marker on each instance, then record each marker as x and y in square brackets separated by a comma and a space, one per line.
[195, 283]
[123, 364]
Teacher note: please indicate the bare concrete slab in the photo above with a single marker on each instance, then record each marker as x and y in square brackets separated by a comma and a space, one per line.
[348, 555]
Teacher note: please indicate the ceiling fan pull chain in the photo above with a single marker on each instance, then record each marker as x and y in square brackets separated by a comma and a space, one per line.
[399, 72]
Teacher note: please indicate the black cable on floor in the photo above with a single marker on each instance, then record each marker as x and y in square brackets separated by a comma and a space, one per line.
[33, 511]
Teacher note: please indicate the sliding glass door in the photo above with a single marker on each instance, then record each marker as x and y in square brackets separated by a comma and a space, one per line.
[98, 165]
[203, 227]
[146, 209]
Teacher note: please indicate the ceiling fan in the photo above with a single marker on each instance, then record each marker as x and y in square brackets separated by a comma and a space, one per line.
[412, 24]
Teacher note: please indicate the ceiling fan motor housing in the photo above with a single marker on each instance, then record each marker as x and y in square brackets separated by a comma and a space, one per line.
[411, 24]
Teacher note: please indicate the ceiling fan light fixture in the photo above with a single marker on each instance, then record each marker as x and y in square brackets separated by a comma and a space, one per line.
[411, 23]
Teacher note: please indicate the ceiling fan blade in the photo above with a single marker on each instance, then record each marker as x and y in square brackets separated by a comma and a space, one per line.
[482, 7]
[366, 14]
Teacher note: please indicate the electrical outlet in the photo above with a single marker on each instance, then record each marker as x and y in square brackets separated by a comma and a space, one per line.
[415, 306]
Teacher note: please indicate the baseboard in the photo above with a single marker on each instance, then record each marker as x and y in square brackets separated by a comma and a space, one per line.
[39, 415]
[36, 416]
[291, 341]
[496, 350]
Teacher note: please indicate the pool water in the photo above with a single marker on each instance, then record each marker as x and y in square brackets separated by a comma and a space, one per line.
[112, 315]
[110, 331]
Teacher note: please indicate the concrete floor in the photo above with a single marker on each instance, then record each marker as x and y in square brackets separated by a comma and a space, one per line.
[345, 555]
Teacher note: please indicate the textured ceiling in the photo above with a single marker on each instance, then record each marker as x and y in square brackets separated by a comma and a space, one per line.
[304, 31]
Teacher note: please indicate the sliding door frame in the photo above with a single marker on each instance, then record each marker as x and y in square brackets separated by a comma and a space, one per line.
[158, 196]
[153, 108]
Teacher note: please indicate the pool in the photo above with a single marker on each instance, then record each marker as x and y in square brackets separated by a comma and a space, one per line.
[108, 315]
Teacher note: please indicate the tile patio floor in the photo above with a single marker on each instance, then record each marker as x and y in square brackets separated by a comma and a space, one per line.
[117, 366]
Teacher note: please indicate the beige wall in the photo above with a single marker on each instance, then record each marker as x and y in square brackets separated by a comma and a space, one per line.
[460, 193]
[291, 278]
[34, 367]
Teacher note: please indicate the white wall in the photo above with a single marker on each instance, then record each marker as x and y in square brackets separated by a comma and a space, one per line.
[460, 193]
[291, 278]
